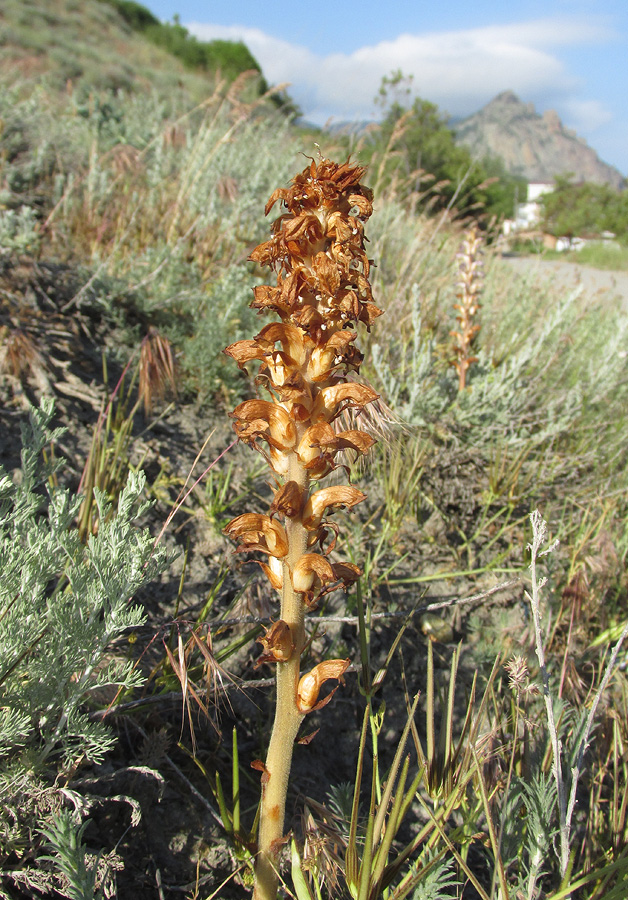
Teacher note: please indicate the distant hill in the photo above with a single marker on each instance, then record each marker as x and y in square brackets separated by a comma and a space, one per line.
[532, 146]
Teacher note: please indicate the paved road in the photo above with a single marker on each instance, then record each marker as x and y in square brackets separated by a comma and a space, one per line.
[615, 284]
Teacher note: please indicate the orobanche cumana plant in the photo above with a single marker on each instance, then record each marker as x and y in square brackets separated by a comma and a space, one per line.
[468, 305]
[322, 291]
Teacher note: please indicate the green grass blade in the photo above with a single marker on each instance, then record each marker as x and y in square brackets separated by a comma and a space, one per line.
[351, 855]
[225, 815]
[299, 881]
[235, 769]
[365, 881]
[392, 826]
[392, 776]
[363, 635]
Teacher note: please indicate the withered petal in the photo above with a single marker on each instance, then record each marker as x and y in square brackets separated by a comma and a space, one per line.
[327, 497]
[244, 351]
[268, 297]
[326, 273]
[251, 528]
[277, 641]
[273, 571]
[292, 339]
[278, 194]
[347, 572]
[310, 569]
[351, 393]
[279, 425]
[309, 446]
[310, 684]
[288, 500]
[354, 439]
[261, 767]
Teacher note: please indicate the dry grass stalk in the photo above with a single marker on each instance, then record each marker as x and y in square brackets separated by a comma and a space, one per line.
[18, 354]
[21, 362]
[157, 369]
[322, 291]
[468, 306]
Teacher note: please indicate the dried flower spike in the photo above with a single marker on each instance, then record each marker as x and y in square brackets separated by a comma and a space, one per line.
[322, 292]
[468, 306]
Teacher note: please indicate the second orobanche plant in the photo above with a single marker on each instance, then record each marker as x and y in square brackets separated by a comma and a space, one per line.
[322, 291]
[468, 292]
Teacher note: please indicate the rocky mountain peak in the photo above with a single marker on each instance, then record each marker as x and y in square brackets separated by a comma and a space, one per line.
[535, 147]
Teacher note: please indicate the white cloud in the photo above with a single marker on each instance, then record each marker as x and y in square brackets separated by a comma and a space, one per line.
[585, 115]
[458, 70]
[280, 60]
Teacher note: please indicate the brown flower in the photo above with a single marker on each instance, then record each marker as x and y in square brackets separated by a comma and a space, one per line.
[277, 643]
[320, 501]
[311, 684]
[257, 532]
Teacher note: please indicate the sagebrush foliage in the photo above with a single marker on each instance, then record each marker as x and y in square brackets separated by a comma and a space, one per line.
[62, 604]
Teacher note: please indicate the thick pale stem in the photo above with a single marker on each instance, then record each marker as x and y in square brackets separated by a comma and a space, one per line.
[317, 250]
[462, 381]
[287, 716]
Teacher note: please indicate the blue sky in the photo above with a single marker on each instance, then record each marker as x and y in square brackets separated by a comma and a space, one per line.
[567, 55]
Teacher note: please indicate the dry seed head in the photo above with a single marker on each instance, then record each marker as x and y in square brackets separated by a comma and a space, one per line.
[519, 675]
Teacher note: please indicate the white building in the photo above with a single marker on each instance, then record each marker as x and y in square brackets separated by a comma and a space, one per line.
[528, 213]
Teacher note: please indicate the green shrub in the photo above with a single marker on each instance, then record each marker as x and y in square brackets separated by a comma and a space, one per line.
[578, 210]
[137, 16]
[231, 58]
[415, 149]
[62, 603]
[601, 255]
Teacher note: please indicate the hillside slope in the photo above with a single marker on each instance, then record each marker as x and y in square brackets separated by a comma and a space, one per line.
[87, 42]
[532, 146]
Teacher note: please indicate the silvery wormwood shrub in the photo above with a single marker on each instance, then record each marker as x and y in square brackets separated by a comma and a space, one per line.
[18, 232]
[62, 604]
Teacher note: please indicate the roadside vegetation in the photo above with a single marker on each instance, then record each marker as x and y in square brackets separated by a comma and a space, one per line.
[609, 255]
[594, 217]
[584, 210]
[479, 745]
